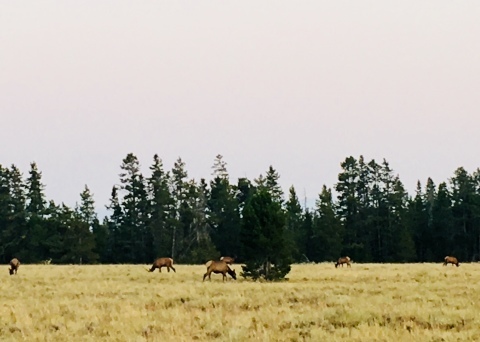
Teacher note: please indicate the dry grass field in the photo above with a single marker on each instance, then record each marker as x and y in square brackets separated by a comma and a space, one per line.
[368, 302]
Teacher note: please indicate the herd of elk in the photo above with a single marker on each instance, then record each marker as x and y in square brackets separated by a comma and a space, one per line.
[14, 265]
[219, 267]
[343, 260]
[162, 262]
[451, 260]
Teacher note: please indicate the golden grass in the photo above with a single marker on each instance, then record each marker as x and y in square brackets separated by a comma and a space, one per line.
[368, 302]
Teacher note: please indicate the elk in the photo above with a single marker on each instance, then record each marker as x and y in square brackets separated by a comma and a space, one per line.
[228, 260]
[219, 267]
[343, 260]
[451, 260]
[162, 262]
[14, 265]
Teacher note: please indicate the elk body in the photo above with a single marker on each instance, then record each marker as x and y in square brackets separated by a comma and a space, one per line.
[343, 260]
[162, 262]
[14, 265]
[219, 267]
[451, 260]
[228, 260]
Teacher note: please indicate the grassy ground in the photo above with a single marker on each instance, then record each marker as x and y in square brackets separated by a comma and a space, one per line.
[368, 302]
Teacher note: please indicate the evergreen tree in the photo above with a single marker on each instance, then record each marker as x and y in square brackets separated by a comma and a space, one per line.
[135, 211]
[263, 238]
[86, 210]
[116, 248]
[161, 203]
[418, 221]
[243, 191]
[13, 238]
[199, 246]
[78, 240]
[402, 245]
[442, 224]
[179, 190]
[348, 208]
[271, 184]
[37, 231]
[223, 209]
[294, 226]
[327, 229]
[466, 215]
[4, 211]
[35, 194]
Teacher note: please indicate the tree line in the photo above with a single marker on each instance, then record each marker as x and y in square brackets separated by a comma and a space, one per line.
[367, 215]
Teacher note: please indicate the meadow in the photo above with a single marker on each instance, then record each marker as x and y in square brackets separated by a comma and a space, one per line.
[367, 302]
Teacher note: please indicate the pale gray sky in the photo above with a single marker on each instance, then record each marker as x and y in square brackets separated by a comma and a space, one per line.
[299, 85]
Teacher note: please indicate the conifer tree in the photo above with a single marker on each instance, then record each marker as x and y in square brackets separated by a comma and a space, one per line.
[161, 203]
[265, 247]
[223, 209]
[327, 228]
[294, 223]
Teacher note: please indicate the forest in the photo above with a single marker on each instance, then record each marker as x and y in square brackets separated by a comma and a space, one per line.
[367, 215]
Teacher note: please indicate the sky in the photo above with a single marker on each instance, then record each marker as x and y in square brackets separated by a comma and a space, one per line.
[299, 85]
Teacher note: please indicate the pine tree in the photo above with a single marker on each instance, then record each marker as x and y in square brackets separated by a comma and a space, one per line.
[271, 184]
[348, 208]
[179, 190]
[161, 203]
[35, 195]
[266, 252]
[116, 248]
[199, 246]
[86, 209]
[14, 236]
[294, 226]
[223, 209]
[78, 240]
[466, 214]
[418, 221]
[442, 224]
[327, 229]
[4, 211]
[135, 210]
[37, 231]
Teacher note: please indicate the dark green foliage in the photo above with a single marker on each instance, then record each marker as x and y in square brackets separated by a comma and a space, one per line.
[223, 209]
[328, 231]
[372, 219]
[265, 249]
[294, 233]
[160, 203]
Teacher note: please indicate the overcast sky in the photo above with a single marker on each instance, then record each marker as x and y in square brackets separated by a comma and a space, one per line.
[299, 85]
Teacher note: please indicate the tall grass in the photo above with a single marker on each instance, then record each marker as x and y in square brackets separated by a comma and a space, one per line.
[368, 302]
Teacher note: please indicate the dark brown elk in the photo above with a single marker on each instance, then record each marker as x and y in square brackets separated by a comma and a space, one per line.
[343, 260]
[14, 265]
[228, 260]
[219, 267]
[162, 262]
[451, 260]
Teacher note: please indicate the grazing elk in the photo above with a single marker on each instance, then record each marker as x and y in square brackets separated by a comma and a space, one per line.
[14, 265]
[451, 260]
[219, 267]
[162, 262]
[343, 260]
[228, 260]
